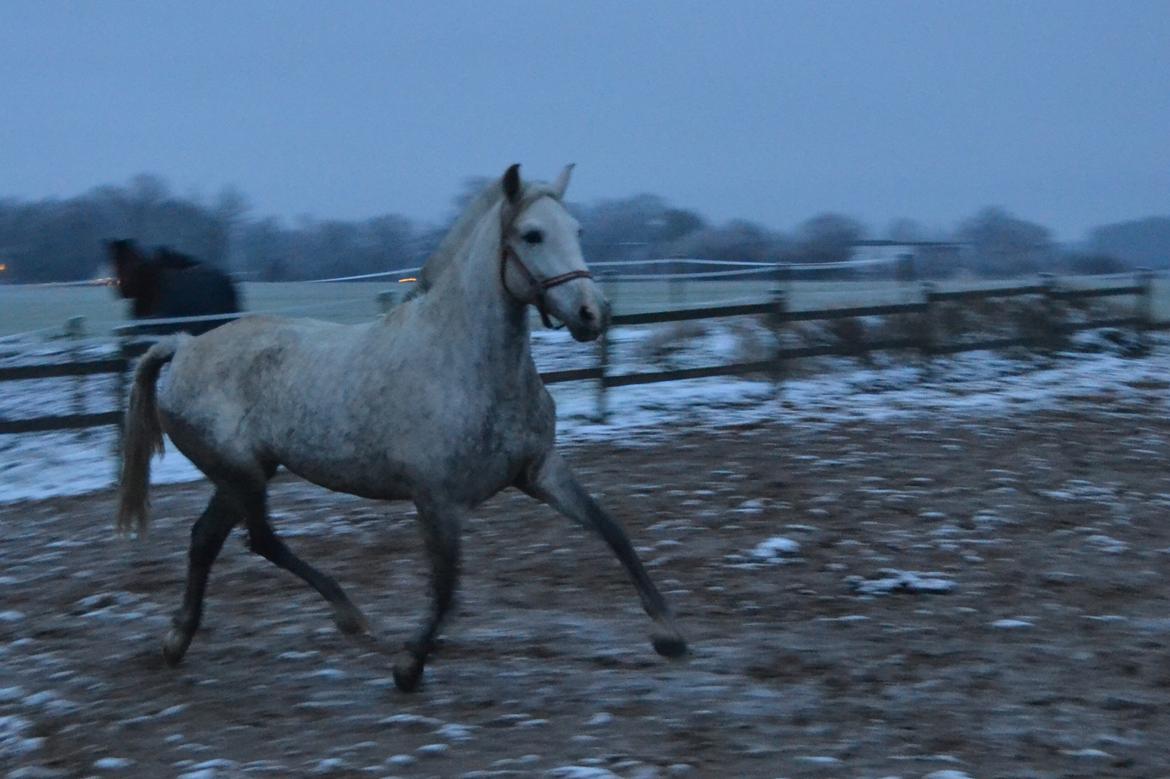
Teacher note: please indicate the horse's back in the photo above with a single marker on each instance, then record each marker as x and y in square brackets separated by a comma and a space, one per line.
[380, 409]
[226, 384]
[196, 291]
[262, 348]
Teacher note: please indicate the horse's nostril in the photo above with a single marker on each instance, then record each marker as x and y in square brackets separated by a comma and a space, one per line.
[586, 314]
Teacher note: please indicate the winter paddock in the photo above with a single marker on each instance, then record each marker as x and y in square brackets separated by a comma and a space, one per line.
[878, 578]
[438, 402]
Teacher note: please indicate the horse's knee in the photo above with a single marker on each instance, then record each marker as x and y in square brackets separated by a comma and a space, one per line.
[266, 545]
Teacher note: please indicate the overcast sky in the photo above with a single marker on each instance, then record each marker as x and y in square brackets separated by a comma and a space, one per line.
[774, 111]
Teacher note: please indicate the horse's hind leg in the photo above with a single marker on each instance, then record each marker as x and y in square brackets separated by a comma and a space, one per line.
[440, 528]
[554, 483]
[207, 537]
[263, 541]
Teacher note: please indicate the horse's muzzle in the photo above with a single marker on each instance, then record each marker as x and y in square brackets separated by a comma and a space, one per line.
[590, 320]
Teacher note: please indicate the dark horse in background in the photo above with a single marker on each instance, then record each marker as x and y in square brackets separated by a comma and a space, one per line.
[171, 284]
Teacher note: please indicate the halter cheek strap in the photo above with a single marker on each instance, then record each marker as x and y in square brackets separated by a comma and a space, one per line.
[508, 255]
[538, 286]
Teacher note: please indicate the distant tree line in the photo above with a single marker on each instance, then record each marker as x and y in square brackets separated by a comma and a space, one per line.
[62, 239]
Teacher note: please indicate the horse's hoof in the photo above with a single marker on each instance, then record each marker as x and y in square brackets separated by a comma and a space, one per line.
[669, 644]
[175, 646]
[407, 675]
[351, 622]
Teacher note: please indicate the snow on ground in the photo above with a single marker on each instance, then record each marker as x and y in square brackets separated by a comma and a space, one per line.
[897, 387]
[893, 580]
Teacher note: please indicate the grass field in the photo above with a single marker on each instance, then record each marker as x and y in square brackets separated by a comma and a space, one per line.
[25, 309]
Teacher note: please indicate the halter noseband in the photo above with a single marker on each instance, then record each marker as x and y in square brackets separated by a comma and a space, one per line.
[540, 286]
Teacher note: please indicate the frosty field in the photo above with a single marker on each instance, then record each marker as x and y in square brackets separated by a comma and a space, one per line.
[46, 308]
[880, 576]
[883, 572]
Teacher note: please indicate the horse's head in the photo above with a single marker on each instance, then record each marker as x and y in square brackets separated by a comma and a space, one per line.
[540, 256]
[127, 262]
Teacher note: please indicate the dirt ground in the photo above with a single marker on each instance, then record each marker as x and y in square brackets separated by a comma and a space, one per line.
[1046, 657]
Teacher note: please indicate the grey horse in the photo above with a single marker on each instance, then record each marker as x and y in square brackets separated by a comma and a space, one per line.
[437, 402]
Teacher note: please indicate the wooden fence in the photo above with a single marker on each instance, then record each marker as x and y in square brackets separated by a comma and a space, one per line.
[1048, 294]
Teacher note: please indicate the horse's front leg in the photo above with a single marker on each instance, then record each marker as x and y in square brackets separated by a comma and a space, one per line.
[440, 529]
[553, 482]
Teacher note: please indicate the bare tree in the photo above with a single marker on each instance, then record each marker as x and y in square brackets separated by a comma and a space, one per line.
[1004, 245]
[828, 238]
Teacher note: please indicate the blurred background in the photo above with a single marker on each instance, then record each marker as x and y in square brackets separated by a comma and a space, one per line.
[285, 142]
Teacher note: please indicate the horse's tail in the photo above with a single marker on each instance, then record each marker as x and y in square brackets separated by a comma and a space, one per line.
[142, 438]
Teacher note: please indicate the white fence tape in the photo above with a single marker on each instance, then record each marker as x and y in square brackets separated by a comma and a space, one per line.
[363, 276]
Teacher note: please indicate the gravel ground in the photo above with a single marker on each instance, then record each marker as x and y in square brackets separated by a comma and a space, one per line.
[947, 597]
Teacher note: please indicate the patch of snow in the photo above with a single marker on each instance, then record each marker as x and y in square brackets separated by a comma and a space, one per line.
[1106, 544]
[893, 580]
[980, 384]
[14, 743]
[1096, 754]
[581, 772]
[216, 764]
[112, 763]
[775, 548]
[410, 722]
[330, 765]
[455, 732]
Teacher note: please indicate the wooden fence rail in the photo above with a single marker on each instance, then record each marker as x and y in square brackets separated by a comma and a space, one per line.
[776, 311]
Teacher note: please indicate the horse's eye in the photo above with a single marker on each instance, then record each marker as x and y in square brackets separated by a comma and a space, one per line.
[533, 236]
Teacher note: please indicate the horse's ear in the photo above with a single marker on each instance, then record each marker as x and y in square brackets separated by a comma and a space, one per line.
[562, 183]
[511, 183]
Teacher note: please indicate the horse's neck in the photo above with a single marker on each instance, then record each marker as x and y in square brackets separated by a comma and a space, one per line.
[476, 306]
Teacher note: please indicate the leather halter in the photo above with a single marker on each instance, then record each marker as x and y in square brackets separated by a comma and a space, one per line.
[539, 286]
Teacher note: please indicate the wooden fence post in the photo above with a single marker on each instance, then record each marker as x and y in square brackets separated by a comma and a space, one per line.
[75, 331]
[905, 273]
[677, 292]
[927, 325]
[777, 319]
[1144, 308]
[610, 286]
[603, 370]
[1050, 314]
[783, 276]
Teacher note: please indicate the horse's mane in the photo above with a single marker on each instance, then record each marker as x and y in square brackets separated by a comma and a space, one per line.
[460, 232]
